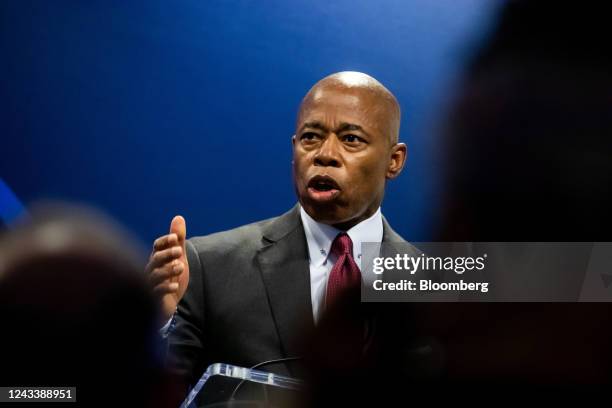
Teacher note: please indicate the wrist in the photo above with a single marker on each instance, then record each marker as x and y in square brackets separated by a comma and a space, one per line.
[169, 326]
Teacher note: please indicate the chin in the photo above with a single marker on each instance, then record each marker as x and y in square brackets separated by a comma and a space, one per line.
[327, 213]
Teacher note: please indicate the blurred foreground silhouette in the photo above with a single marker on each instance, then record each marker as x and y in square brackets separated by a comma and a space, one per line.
[77, 311]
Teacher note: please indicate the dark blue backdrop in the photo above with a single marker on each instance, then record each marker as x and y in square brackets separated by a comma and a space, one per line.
[150, 108]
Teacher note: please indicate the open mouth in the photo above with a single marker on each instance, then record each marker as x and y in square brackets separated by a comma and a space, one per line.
[323, 188]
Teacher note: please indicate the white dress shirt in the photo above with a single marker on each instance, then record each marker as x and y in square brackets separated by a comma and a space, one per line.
[320, 237]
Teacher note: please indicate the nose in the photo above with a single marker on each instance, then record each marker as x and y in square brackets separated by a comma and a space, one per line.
[328, 155]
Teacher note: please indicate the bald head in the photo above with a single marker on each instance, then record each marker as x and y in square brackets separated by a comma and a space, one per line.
[380, 102]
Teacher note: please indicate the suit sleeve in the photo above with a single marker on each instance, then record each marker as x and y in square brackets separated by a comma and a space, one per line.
[185, 342]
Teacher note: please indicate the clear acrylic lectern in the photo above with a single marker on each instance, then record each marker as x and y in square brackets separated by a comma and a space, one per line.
[225, 385]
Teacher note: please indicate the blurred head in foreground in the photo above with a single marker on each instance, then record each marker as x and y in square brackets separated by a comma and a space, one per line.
[529, 139]
[529, 142]
[76, 310]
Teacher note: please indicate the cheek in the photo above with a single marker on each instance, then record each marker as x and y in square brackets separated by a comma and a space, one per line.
[369, 176]
[369, 171]
[300, 166]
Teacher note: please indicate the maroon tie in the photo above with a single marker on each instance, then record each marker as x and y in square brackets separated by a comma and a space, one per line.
[343, 301]
[345, 278]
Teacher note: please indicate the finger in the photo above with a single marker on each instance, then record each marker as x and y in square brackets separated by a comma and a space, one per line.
[165, 256]
[166, 272]
[165, 241]
[166, 288]
[179, 227]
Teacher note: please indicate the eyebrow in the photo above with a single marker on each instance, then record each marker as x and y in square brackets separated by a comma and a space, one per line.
[350, 126]
[314, 125]
[342, 128]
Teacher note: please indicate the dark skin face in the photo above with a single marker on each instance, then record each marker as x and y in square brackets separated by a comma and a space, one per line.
[344, 150]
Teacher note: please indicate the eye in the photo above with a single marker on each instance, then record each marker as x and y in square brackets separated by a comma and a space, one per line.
[353, 139]
[309, 137]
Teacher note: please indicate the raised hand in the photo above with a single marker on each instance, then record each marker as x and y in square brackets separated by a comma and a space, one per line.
[168, 268]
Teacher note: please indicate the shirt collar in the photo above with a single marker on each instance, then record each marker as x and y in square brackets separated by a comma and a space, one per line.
[320, 236]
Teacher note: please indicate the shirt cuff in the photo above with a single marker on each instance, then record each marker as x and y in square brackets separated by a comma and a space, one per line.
[168, 327]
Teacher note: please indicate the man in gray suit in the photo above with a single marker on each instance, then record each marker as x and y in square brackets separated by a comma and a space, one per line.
[245, 296]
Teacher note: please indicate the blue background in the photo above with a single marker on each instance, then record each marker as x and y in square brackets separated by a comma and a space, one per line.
[146, 109]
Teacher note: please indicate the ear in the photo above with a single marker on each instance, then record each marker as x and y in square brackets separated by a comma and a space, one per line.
[398, 158]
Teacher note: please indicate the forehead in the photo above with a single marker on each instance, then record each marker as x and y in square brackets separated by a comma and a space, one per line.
[333, 106]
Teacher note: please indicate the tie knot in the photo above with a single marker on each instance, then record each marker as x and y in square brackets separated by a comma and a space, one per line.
[342, 245]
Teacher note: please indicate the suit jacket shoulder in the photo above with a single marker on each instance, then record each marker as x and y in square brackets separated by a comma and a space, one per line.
[228, 257]
[244, 238]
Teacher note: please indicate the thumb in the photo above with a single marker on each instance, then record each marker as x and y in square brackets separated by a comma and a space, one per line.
[178, 227]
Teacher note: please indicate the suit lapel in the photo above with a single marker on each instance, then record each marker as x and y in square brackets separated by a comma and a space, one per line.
[285, 271]
[394, 244]
[389, 235]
